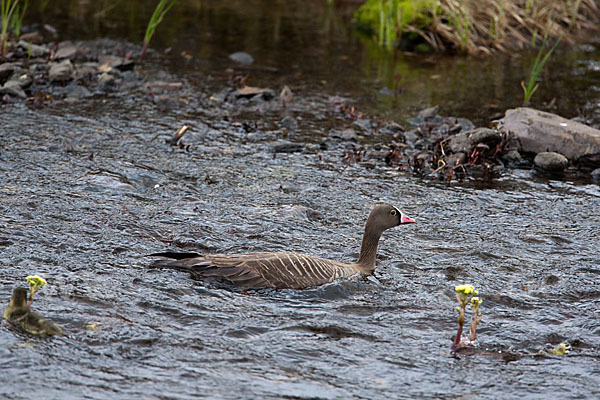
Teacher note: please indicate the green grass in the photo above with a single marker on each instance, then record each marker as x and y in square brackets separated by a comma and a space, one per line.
[536, 69]
[160, 11]
[7, 8]
[17, 18]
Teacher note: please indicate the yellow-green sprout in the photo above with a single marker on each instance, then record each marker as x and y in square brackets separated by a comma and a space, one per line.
[35, 282]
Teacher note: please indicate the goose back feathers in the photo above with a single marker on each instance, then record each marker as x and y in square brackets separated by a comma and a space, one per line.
[287, 269]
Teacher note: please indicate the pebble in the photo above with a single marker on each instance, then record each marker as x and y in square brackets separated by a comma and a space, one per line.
[551, 161]
[61, 72]
[241, 57]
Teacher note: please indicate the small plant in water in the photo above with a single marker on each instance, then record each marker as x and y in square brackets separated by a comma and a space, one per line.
[536, 69]
[464, 295]
[35, 283]
[160, 11]
[7, 8]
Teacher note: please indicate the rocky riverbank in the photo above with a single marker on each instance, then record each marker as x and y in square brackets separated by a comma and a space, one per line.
[445, 148]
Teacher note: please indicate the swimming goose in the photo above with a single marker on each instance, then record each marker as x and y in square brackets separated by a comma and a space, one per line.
[285, 269]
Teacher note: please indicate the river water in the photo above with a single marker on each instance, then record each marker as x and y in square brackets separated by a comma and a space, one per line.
[88, 189]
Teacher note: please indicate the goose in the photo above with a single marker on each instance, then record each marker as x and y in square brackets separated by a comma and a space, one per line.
[287, 270]
[18, 314]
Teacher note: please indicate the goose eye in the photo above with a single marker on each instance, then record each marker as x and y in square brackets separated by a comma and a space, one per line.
[393, 213]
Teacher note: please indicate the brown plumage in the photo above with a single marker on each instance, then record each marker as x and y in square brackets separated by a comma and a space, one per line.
[21, 316]
[285, 269]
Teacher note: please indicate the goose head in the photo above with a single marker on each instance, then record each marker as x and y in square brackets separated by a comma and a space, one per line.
[385, 216]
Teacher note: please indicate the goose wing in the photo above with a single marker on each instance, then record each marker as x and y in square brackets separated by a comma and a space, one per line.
[271, 270]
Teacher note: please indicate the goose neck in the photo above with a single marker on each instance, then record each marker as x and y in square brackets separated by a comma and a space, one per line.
[368, 250]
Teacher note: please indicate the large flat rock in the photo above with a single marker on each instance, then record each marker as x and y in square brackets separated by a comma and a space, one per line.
[538, 131]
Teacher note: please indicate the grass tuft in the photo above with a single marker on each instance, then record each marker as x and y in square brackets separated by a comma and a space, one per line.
[160, 11]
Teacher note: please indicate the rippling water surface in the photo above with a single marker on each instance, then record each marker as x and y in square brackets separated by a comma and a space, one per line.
[87, 190]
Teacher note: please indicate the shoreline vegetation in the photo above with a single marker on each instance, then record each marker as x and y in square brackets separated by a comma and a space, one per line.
[476, 26]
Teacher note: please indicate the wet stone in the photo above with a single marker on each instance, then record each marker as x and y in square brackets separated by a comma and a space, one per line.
[287, 147]
[551, 161]
[289, 122]
[349, 134]
[106, 82]
[162, 86]
[13, 88]
[33, 50]
[66, 50]
[254, 93]
[21, 79]
[6, 70]
[32, 37]
[61, 72]
[108, 62]
[428, 113]
[466, 142]
[535, 131]
[165, 102]
[456, 159]
[241, 57]
[75, 92]
[596, 174]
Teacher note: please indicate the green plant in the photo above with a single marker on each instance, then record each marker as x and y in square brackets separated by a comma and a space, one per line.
[160, 11]
[7, 8]
[536, 69]
[17, 18]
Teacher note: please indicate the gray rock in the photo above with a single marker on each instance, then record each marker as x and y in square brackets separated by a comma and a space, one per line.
[513, 156]
[23, 79]
[287, 147]
[13, 88]
[162, 86]
[348, 134]
[108, 62]
[538, 131]
[106, 82]
[551, 161]
[465, 142]
[66, 50]
[33, 50]
[84, 72]
[61, 72]
[596, 174]
[456, 159]
[6, 70]
[74, 91]
[241, 57]
[32, 37]
[289, 122]
[428, 113]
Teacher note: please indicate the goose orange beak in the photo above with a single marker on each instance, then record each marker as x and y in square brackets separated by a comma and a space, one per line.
[405, 219]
